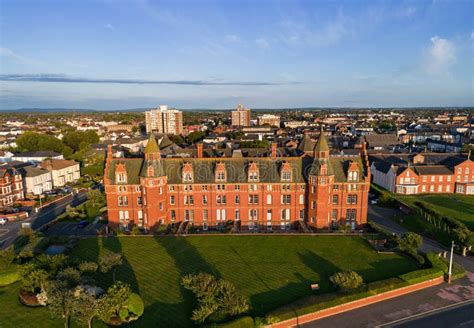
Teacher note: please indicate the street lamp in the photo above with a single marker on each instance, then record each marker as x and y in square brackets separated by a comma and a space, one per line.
[451, 262]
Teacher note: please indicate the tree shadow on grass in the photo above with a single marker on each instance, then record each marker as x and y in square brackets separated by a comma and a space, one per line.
[124, 272]
[187, 260]
[274, 298]
[186, 257]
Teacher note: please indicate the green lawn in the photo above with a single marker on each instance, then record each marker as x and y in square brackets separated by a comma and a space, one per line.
[270, 270]
[455, 206]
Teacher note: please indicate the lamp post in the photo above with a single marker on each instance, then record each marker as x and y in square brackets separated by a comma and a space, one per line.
[451, 262]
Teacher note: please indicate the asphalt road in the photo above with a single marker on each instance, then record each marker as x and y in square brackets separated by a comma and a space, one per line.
[413, 304]
[461, 316]
[44, 216]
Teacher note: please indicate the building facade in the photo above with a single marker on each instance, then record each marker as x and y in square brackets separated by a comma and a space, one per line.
[164, 120]
[424, 173]
[241, 116]
[36, 180]
[272, 120]
[62, 171]
[11, 186]
[261, 193]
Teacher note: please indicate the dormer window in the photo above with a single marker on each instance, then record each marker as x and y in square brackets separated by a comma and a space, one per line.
[220, 172]
[253, 176]
[353, 176]
[353, 172]
[286, 172]
[121, 177]
[253, 172]
[188, 175]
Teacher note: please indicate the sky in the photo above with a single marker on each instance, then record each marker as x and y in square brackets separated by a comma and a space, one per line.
[107, 54]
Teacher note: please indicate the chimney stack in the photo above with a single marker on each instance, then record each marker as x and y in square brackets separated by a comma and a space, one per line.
[199, 150]
[274, 149]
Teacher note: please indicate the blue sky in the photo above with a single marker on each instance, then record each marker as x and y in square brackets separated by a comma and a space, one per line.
[107, 54]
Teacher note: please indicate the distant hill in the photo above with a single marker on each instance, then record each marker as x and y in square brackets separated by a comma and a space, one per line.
[86, 110]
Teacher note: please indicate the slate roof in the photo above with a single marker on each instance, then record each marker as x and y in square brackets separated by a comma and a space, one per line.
[433, 170]
[306, 144]
[236, 168]
[31, 171]
[151, 146]
[322, 144]
[57, 164]
[381, 140]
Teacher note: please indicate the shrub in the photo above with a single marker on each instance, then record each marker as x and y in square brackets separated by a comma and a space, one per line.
[88, 267]
[135, 304]
[7, 256]
[346, 280]
[421, 275]
[410, 243]
[123, 314]
[243, 322]
[135, 231]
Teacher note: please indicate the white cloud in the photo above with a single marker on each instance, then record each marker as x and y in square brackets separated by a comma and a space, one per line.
[440, 55]
[8, 53]
[110, 27]
[232, 38]
[330, 32]
[262, 43]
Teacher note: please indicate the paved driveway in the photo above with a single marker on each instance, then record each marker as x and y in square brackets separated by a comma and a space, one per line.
[381, 216]
[71, 229]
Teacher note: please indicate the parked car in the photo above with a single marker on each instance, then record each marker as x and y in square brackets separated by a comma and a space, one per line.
[82, 224]
[374, 201]
[3, 221]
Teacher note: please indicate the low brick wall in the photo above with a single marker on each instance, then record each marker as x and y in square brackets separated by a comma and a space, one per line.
[357, 303]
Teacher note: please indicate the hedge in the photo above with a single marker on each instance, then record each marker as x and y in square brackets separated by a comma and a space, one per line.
[417, 276]
[243, 322]
[443, 265]
[9, 276]
[315, 303]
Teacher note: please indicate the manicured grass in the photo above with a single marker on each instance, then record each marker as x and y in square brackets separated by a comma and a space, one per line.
[271, 270]
[459, 207]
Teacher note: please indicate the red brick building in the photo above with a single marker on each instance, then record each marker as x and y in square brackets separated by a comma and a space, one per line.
[11, 186]
[259, 193]
[424, 173]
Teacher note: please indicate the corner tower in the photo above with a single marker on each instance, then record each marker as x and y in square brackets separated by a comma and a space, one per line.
[321, 178]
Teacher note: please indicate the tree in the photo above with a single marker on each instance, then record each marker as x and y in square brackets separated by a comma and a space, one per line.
[78, 140]
[96, 198]
[110, 260]
[32, 141]
[61, 300]
[7, 256]
[111, 303]
[410, 242]
[346, 280]
[33, 278]
[86, 308]
[195, 136]
[215, 296]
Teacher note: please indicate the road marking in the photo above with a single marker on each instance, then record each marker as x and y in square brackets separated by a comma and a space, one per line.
[427, 313]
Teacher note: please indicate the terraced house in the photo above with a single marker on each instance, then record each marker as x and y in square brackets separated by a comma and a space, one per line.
[256, 193]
